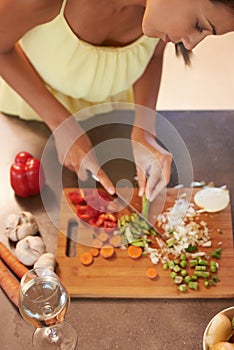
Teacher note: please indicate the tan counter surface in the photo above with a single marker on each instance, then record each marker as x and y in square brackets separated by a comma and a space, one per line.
[124, 324]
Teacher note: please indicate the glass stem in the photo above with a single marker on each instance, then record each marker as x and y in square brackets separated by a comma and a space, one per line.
[54, 334]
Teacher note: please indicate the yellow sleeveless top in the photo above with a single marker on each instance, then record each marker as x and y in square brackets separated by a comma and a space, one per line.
[77, 73]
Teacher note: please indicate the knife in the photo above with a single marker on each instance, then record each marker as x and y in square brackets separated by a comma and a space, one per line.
[126, 203]
[118, 196]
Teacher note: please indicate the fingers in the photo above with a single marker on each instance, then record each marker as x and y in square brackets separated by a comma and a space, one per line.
[141, 180]
[167, 167]
[152, 194]
[154, 177]
[159, 177]
[105, 181]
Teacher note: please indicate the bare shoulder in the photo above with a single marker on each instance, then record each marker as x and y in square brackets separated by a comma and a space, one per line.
[18, 17]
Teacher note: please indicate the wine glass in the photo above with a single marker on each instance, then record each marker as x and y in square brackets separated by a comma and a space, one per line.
[43, 302]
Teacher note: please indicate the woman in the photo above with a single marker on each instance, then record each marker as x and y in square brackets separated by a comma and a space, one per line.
[60, 56]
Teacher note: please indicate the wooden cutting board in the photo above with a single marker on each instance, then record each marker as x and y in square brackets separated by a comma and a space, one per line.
[120, 276]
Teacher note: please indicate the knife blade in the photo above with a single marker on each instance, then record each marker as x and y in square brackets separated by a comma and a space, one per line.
[118, 196]
[126, 203]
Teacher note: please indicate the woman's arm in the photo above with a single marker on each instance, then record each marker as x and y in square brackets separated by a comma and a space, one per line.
[153, 162]
[16, 19]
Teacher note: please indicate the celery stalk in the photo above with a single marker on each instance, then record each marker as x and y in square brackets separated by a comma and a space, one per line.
[145, 207]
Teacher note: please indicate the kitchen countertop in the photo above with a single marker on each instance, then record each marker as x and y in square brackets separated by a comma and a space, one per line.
[124, 324]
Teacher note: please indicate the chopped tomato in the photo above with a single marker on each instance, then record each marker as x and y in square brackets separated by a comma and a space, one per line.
[76, 197]
[104, 196]
[92, 221]
[84, 217]
[111, 217]
[86, 209]
[101, 219]
[109, 226]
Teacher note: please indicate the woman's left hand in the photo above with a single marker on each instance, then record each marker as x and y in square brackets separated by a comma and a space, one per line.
[153, 163]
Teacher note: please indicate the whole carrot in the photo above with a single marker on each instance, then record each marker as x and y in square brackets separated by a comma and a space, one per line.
[9, 284]
[12, 262]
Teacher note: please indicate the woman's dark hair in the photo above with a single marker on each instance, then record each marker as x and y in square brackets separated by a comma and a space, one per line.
[186, 54]
[182, 51]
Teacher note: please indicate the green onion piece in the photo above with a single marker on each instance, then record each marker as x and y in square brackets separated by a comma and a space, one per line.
[173, 275]
[183, 256]
[176, 261]
[194, 277]
[176, 268]
[193, 263]
[202, 262]
[170, 242]
[193, 285]
[213, 268]
[216, 254]
[178, 279]
[203, 274]
[138, 244]
[184, 272]
[187, 279]
[165, 266]
[200, 268]
[183, 263]
[182, 287]
[171, 264]
[191, 248]
[206, 283]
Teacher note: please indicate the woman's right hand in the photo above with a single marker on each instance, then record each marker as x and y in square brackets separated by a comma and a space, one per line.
[76, 152]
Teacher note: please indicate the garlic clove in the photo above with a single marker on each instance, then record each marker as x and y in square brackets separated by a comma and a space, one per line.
[46, 260]
[29, 249]
[20, 225]
[26, 229]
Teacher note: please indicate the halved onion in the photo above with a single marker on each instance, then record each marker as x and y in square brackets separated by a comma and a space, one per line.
[212, 199]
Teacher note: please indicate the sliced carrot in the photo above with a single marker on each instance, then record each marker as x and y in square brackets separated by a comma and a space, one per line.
[134, 252]
[9, 284]
[116, 241]
[107, 251]
[95, 252]
[86, 258]
[103, 237]
[151, 273]
[12, 262]
[97, 243]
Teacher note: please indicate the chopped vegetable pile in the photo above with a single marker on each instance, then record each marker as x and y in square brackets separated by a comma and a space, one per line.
[181, 253]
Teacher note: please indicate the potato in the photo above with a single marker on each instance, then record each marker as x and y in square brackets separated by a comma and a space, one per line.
[219, 331]
[223, 346]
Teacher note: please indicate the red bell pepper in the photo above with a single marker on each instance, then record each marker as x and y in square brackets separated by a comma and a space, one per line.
[26, 175]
